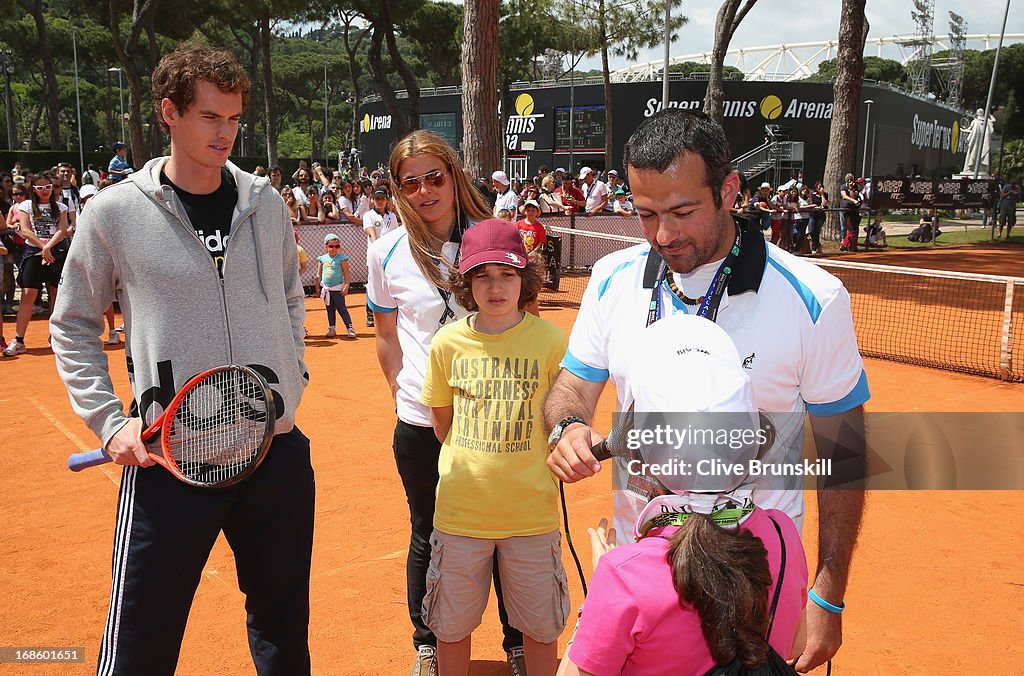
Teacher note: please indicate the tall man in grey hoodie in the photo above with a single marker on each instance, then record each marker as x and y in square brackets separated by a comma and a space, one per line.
[202, 258]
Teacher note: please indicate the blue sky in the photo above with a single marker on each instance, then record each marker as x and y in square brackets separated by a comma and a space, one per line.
[773, 22]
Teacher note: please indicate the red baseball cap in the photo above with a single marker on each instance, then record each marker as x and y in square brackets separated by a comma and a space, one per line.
[492, 241]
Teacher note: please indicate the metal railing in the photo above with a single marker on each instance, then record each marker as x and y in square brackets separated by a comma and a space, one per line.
[768, 157]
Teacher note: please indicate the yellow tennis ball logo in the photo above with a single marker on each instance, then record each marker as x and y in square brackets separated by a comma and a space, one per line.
[524, 104]
[771, 107]
[366, 122]
[954, 137]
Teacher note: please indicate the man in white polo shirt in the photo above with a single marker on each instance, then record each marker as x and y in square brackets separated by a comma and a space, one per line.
[506, 196]
[594, 190]
[789, 319]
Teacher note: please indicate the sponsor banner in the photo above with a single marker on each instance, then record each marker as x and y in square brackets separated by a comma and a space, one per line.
[914, 193]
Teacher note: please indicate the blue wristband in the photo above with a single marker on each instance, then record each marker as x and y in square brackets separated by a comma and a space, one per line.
[825, 604]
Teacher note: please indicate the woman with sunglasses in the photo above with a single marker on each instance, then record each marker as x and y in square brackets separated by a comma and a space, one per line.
[293, 207]
[409, 294]
[43, 222]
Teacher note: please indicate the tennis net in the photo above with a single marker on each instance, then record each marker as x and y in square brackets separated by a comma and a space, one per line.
[962, 322]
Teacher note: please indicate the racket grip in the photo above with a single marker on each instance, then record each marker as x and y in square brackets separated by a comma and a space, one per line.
[80, 461]
[601, 452]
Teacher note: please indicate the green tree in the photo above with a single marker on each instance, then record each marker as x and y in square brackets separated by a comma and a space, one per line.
[875, 68]
[730, 14]
[623, 29]
[384, 16]
[691, 68]
[1011, 159]
[434, 30]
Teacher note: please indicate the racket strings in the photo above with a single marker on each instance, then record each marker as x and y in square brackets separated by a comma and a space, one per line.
[220, 427]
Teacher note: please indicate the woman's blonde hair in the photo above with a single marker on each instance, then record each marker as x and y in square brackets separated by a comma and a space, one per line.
[469, 203]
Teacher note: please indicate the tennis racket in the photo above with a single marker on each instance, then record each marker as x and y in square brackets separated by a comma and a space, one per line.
[215, 432]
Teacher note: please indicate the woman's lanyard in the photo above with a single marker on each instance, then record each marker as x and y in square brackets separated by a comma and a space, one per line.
[445, 294]
[713, 298]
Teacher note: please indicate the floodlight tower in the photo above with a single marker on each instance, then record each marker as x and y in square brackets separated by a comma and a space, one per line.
[920, 65]
[958, 42]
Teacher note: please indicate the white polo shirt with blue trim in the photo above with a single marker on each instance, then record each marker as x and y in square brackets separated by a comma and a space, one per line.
[396, 284]
[789, 319]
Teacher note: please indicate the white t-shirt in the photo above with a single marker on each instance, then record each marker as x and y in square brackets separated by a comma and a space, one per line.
[363, 205]
[799, 215]
[45, 226]
[623, 204]
[506, 200]
[300, 196]
[396, 284]
[595, 193]
[794, 333]
[346, 203]
[382, 223]
[69, 199]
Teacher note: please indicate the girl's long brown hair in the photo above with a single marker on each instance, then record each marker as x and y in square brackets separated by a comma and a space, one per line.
[469, 203]
[725, 577]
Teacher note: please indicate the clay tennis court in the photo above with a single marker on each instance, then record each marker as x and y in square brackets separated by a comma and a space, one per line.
[936, 583]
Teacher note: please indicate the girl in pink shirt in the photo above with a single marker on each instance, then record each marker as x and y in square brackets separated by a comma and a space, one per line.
[647, 600]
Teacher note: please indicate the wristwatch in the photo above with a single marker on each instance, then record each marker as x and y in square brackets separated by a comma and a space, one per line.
[556, 431]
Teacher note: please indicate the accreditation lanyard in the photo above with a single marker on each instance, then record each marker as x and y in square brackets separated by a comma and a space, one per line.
[445, 294]
[713, 298]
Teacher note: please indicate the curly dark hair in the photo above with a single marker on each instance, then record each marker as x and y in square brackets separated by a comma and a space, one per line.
[176, 75]
[531, 275]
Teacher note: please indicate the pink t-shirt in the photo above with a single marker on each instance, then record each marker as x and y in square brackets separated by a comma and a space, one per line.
[632, 622]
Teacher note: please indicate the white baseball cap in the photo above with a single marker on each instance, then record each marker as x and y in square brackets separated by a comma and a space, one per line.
[612, 172]
[585, 170]
[87, 190]
[501, 177]
[766, 184]
[687, 374]
[531, 203]
[560, 169]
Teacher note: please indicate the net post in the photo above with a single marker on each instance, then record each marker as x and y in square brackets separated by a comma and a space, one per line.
[1005, 351]
[572, 240]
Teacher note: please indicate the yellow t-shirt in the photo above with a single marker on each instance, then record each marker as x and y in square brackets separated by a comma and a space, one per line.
[494, 482]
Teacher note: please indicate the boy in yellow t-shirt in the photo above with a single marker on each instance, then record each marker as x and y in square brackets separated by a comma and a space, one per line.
[486, 381]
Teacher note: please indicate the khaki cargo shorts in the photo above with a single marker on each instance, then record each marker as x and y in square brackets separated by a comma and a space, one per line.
[533, 584]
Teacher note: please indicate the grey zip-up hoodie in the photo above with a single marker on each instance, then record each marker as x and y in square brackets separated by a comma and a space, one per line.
[181, 318]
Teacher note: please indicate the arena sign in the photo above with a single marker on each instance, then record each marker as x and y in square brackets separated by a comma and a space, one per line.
[535, 130]
[917, 193]
[770, 107]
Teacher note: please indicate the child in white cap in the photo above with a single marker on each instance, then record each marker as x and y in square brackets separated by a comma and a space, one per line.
[713, 579]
